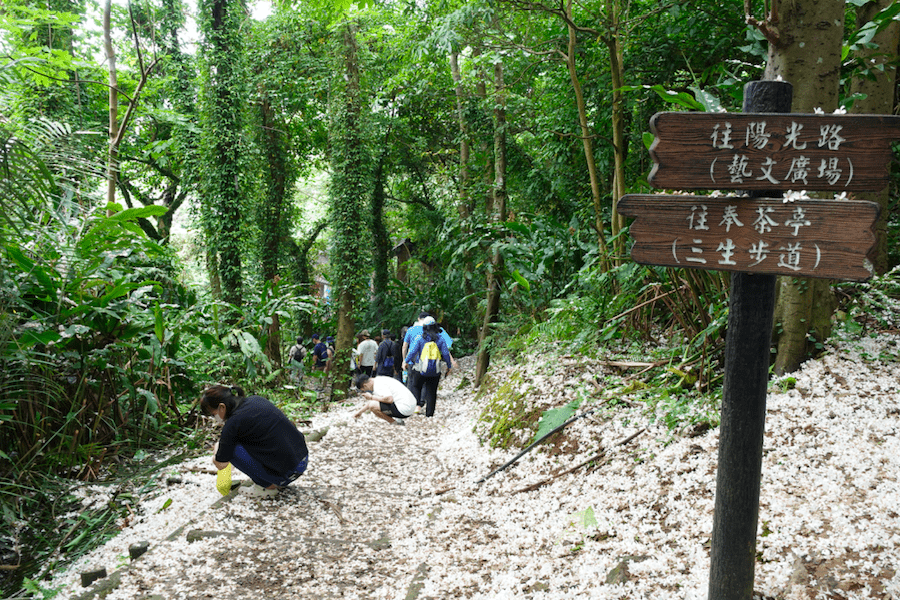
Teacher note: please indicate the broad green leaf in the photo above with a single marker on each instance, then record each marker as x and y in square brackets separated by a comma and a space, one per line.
[30, 267]
[710, 103]
[517, 227]
[158, 325]
[553, 418]
[131, 214]
[521, 280]
[680, 98]
[584, 519]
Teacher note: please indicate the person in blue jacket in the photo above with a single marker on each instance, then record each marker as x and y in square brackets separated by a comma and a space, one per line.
[424, 385]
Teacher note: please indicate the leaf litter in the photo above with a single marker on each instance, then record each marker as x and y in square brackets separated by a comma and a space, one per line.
[394, 512]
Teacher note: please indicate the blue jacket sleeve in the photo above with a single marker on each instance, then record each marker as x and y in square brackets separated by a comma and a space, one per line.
[415, 348]
[445, 351]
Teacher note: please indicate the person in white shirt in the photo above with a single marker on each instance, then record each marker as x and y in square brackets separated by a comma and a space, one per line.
[366, 349]
[386, 398]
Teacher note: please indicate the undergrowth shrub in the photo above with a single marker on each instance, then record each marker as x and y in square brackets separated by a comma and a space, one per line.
[506, 418]
[874, 304]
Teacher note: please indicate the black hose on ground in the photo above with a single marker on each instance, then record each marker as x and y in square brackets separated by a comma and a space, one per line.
[535, 443]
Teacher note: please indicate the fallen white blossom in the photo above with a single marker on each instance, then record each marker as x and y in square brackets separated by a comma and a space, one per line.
[386, 511]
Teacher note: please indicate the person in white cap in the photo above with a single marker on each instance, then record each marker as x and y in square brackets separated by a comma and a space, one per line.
[422, 363]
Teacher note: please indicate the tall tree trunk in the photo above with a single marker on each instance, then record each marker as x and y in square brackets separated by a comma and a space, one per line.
[465, 205]
[616, 67]
[879, 100]
[112, 160]
[494, 281]
[350, 192]
[586, 136]
[274, 220]
[302, 275]
[222, 147]
[381, 246]
[484, 147]
[807, 54]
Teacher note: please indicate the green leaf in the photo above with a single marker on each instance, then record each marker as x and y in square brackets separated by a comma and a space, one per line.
[159, 327]
[584, 519]
[517, 227]
[29, 266]
[151, 400]
[521, 280]
[131, 214]
[710, 103]
[553, 418]
[120, 290]
[680, 98]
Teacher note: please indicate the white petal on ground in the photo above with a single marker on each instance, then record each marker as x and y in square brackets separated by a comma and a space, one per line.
[366, 521]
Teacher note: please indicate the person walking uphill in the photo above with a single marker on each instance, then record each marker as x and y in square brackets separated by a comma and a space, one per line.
[423, 364]
[257, 438]
[296, 356]
[367, 349]
[384, 358]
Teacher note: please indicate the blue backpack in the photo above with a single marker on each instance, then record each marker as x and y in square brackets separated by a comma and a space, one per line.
[429, 360]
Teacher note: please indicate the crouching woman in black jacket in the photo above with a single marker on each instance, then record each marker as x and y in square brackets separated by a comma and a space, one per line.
[257, 438]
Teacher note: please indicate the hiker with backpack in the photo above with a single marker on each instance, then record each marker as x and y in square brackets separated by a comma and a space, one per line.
[413, 330]
[366, 351]
[384, 356]
[296, 356]
[422, 363]
[321, 358]
[397, 353]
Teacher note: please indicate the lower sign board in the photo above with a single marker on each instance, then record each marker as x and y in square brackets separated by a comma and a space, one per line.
[810, 238]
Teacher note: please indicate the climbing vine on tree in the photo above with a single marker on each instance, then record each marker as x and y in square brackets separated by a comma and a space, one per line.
[221, 148]
[349, 192]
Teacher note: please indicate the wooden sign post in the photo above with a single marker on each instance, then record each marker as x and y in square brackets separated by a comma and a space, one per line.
[757, 238]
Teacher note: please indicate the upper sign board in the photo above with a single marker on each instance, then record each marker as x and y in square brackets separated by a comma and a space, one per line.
[769, 151]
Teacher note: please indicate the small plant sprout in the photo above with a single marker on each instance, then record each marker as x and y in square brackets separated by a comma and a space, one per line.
[579, 522]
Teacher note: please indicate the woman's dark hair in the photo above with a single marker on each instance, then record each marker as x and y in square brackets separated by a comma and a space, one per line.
[215, 395]
[361, 380]
[432, 329]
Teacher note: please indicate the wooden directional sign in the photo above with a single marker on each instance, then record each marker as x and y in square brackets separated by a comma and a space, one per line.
[769, 151]
[810, 238]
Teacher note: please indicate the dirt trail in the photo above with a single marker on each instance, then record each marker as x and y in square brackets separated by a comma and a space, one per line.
[332, 534]
[631, 521]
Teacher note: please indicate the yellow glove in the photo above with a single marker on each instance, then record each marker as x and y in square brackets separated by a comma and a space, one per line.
[223, 480]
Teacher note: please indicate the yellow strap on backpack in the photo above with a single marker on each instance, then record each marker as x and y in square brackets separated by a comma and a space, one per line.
[223, 480]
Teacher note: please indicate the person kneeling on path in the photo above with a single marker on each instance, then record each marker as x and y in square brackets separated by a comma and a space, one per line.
[423, 364]
[386, 398]
[257, 438]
